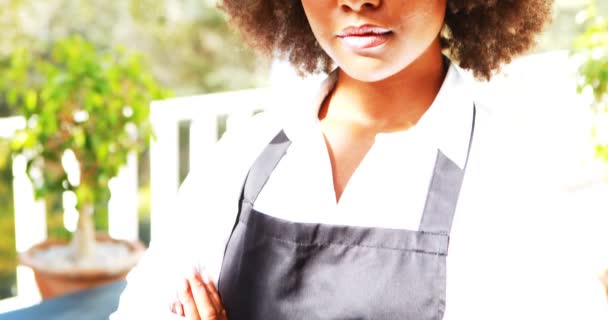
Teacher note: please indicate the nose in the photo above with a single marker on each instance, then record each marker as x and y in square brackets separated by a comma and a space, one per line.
[358, 5]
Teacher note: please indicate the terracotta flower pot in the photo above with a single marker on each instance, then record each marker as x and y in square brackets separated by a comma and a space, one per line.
[59, 281]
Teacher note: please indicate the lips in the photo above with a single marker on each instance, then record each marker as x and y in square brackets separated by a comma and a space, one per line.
[364, 37]
[364, 30]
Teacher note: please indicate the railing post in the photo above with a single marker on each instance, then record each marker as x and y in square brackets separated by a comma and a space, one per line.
[164, 170]
[30, 226]
[122, 208]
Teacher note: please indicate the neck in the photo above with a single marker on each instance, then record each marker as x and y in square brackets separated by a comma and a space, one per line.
[392, 104]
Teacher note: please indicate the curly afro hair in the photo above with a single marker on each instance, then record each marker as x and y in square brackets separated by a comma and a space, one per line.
[480, 35]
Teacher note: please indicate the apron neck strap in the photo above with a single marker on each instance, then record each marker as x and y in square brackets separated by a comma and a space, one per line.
[444, 191]
[264, 165]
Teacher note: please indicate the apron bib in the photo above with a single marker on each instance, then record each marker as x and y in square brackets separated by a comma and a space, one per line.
[277, 269]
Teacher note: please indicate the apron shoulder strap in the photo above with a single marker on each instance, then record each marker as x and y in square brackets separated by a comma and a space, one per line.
[264, 165]
[444, 191]
[260, 171]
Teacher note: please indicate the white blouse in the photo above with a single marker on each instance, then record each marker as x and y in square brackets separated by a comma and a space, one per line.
[500, 264]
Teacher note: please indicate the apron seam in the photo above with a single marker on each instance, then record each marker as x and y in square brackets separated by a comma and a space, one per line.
[421, 232]
[433, 253]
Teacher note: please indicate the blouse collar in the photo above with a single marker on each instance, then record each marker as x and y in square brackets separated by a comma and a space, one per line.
[447, 124]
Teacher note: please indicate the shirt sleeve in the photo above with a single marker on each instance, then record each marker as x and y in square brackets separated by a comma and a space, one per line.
[151, 285]
[205, 212]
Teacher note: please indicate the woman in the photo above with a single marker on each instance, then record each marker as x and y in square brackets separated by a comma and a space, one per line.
[341, 206]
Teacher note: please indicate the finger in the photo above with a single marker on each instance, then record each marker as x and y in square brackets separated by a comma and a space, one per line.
[212, 289]
[178, 309]
[219, 308]
[186, 299]
[202, 298]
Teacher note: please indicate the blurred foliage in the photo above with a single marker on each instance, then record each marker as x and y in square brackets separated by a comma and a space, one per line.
[190, 47]
[82, 101]
[8, 254]
[592, 47]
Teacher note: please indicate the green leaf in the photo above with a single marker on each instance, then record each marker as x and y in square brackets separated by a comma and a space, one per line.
[31, 100]
[19, 140]
[79, 137]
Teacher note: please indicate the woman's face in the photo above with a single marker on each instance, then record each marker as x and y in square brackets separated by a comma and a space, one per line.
[399, 32]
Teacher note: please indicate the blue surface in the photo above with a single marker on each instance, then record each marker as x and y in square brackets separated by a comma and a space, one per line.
[96, 303]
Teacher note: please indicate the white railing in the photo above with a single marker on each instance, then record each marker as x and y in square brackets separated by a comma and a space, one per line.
[204, 112]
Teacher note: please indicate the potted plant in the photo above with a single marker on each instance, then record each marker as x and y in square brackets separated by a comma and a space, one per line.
[592, 47]
[89, 106]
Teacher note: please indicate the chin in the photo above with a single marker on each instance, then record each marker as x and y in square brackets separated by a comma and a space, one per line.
[371, 71]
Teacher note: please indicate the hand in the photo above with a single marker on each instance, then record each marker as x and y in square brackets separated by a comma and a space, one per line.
[198, 299]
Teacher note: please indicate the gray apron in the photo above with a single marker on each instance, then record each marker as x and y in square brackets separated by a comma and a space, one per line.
[277, 269]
